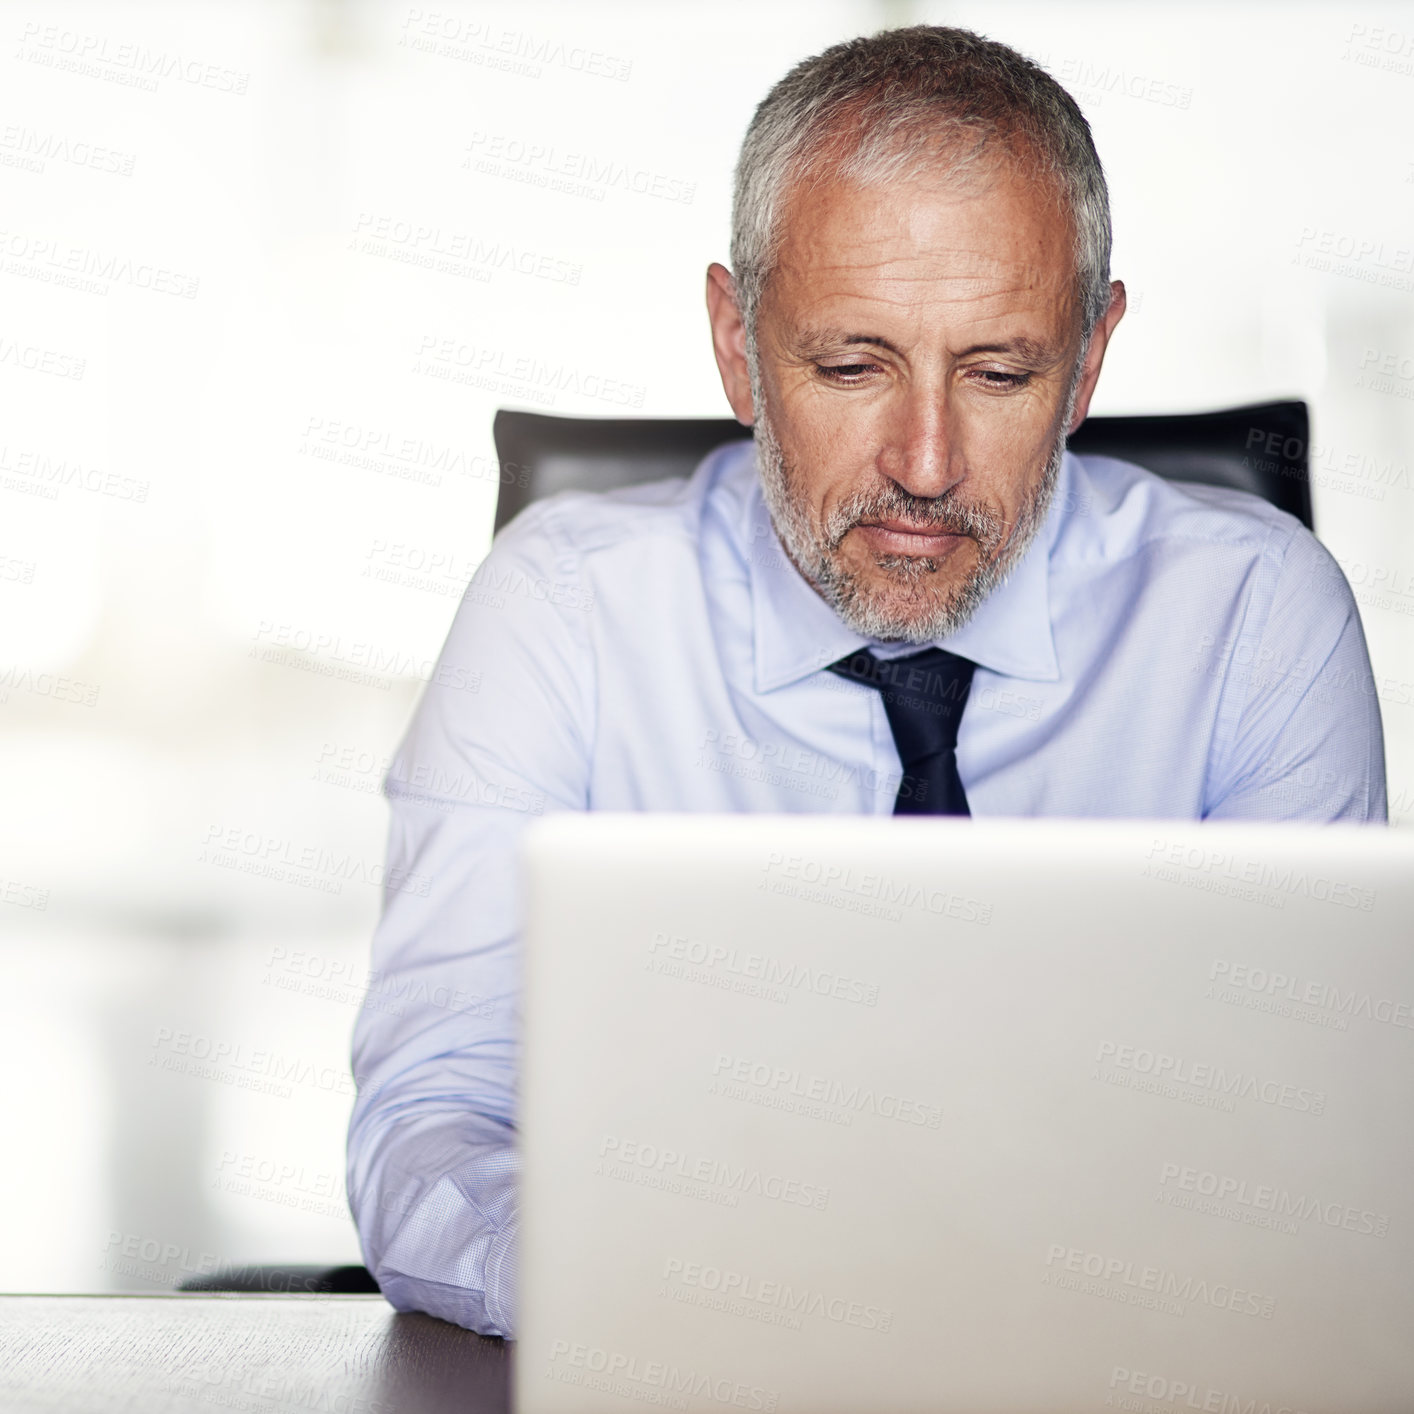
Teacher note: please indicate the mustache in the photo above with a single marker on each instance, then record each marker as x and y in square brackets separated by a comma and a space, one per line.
[946, 514]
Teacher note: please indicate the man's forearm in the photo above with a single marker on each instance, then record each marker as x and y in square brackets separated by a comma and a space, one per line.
[435, 1200]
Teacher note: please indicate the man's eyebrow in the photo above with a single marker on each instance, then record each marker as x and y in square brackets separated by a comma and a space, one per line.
[810, 337]
[1023, 347]
[1027, 349]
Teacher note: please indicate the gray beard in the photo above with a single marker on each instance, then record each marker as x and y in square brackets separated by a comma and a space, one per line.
[908, 606]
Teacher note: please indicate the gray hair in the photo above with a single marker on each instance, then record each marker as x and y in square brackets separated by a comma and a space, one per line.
[889, 107]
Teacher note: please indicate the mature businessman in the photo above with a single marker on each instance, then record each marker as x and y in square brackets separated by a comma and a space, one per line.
[905, 597]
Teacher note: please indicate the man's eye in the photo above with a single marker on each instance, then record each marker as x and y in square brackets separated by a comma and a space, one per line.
[845, 372]
[995, 378]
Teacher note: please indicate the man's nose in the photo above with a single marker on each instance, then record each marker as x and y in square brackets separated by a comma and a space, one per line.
[921, 452]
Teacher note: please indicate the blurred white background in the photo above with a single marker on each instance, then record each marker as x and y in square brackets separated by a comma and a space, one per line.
[268, 268]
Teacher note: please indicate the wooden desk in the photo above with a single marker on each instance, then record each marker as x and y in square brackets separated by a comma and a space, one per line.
[203, 1354]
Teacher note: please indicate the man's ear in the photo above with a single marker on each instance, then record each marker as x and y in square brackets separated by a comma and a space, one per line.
[729, 341]
[1095, 355]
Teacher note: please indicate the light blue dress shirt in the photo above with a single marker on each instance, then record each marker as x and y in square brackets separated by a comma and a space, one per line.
[1160, 651]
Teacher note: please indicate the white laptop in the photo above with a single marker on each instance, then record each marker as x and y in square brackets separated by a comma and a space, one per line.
[850, 1115]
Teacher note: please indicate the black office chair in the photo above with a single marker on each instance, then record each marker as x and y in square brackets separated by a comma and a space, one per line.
[287, 1280]
[1261, 449]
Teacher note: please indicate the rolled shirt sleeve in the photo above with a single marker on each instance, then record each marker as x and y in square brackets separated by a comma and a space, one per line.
[500, 736]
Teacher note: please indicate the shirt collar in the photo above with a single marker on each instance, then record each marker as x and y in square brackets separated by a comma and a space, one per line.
[796, 633]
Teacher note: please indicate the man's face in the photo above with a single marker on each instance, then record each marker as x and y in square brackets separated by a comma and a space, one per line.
[918, 352]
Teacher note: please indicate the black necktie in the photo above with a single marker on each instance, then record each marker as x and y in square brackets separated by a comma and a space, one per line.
[924, 694]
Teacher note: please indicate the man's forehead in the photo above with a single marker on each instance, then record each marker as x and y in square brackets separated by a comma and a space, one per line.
[823, 306]
[947, 273]
[847, 250]
[916, 230]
